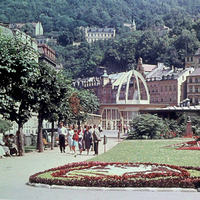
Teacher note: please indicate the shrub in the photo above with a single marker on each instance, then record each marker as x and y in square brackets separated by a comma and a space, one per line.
[147, 126]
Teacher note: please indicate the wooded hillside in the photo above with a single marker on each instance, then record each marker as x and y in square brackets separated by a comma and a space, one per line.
[62, 19]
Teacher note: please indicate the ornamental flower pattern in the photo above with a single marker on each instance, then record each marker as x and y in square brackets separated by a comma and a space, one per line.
[162, 175]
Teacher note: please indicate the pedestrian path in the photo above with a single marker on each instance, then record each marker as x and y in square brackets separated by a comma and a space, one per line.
[15, 171]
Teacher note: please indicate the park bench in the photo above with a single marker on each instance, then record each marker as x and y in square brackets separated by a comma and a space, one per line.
[46, 144]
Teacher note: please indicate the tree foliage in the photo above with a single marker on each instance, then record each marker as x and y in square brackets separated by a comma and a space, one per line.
[18, 73]
[147, 126]
[5, 126]
[63, 19]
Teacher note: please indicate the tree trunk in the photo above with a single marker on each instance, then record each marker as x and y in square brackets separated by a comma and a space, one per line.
[20, 140]
[52, 136]
[40, 136]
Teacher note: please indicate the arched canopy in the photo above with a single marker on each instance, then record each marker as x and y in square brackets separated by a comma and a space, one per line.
[132, 89]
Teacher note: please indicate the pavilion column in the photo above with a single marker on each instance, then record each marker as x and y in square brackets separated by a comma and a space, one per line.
[122, 122]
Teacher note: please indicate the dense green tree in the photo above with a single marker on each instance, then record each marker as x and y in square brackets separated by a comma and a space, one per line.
[196, 27]
[28, 29]
[18, 72]
[51, 90]
[5, 126]
[146, 47]
[147, 126]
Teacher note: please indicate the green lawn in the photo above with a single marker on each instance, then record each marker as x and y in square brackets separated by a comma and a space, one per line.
[154, 151]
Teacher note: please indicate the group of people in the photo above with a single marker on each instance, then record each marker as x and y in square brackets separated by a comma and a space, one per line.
[79, 138]
[7, 145]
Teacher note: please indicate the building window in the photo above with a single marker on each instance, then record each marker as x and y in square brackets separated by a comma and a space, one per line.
[191, 59]
[196, 80]
[161, 88]
[190, 89]
[196, 101]
[156, 99]
[188, 59]
[170, 99]
[170, 88]
[190, 80]
[161, 99]
[196, 89]
[165, 88]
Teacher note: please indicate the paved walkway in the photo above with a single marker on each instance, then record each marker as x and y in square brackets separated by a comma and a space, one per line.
[14, 174]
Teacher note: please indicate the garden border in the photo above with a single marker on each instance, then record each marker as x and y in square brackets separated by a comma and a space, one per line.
[124, 181]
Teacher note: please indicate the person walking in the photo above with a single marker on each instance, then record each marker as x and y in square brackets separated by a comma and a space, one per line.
[87, 139]
[75, 142]
[96, 139]
[62, 131]
[80, 139]
[69, 138]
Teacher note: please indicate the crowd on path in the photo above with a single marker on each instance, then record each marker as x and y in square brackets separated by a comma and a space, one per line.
[79, 138]
[7, 145]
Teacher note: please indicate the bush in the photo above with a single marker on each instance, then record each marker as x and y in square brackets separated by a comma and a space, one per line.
[147, 126]
[5, 126]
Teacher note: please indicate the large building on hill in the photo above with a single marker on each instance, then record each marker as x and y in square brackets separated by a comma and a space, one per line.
[94, 34]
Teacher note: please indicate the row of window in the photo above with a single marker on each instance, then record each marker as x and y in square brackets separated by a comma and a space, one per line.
[104, 91]
[166, 99]
[196, 89]
[163, 88]
[96, 39]
[190, 59]
[194, 80]
[195, 101]
[99, 35]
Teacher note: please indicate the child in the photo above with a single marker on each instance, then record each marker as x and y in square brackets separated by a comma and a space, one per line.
[75, 142]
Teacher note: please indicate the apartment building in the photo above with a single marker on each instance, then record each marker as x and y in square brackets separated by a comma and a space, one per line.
[94, 34]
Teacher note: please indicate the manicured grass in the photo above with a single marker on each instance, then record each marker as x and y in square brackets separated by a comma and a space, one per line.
[154, 151]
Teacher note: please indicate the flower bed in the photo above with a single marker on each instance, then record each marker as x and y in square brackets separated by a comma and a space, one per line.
[190, 145]
[101, 174]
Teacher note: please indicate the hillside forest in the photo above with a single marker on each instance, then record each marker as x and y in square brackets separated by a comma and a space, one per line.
[62, 19]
